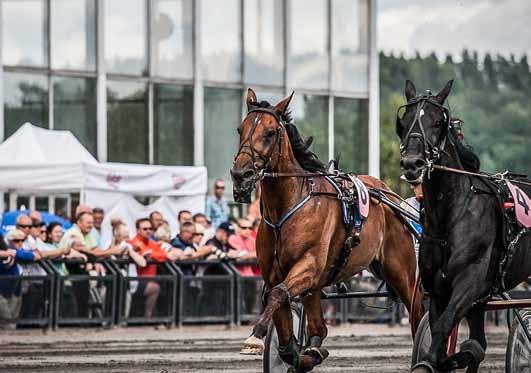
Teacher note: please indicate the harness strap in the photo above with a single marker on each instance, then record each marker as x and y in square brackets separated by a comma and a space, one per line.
[288, 214]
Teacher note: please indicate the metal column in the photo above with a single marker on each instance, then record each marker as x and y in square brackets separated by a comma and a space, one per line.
[374, 95]
[199, 128]
[101, 90]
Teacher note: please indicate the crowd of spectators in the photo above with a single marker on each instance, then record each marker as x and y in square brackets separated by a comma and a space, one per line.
[213, 235]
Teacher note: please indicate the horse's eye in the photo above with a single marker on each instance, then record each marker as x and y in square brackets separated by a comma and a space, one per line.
[239, 130]
[269, 134]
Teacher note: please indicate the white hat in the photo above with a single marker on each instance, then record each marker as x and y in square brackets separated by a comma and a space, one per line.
[14, 234]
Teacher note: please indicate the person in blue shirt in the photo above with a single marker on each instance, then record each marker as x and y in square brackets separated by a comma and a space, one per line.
[217, 208]
[10, 299]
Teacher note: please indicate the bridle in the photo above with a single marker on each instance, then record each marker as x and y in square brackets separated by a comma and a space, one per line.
[432, 152]
[247, 146]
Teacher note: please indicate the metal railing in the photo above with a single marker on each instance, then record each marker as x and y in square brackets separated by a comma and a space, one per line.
[27, 300]
[201, 291]
[206, 292]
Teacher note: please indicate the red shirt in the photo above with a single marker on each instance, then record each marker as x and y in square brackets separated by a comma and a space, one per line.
[157, 254]
[245, 245]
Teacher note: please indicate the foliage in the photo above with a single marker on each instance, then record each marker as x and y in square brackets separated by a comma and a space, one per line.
[492, 96]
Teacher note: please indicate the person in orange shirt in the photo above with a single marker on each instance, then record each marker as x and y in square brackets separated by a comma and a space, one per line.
[145, 246]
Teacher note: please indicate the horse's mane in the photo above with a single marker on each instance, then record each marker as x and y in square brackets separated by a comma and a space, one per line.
[301, 147]
[468, 158]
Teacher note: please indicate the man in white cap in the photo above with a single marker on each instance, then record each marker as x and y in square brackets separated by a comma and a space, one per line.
[10, 290]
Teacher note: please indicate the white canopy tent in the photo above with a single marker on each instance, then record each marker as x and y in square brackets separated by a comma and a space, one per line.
[41, 161]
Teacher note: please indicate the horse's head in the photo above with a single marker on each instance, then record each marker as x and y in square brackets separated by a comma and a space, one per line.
[422, 125]
[261, 133]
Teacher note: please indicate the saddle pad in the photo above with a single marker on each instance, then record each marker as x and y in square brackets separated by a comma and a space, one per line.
[522, 205]
[363, 197]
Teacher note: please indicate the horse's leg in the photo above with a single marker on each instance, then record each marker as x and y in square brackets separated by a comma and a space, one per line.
[314, 354]
[287, 343]
[476, 324]
[460, 304]
[302, 277]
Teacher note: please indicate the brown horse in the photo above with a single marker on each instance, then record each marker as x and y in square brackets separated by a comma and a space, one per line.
[296, 258]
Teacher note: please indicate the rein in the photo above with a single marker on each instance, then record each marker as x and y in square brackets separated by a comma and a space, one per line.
[499, 176]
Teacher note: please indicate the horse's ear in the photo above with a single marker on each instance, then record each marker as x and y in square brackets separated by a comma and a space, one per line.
[283, 104]
[251, 98]
[443, 94]
[410, 90]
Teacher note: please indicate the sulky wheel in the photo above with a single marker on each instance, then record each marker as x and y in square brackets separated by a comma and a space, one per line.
[422, 342]
[272, 361]
[518, 355]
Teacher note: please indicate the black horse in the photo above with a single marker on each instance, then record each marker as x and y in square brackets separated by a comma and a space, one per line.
[466, 229]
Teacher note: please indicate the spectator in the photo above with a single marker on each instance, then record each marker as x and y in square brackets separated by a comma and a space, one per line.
[184, 216]
[81, 239]
[156, 219]
[143, 243]
[217, 208]
[68, 301]
[33, 298]
[10, 300]
[184, 239]
[209, 231]
[221, 239]
[85, 242]
[163, 237]
[243, 246]
[120, 236]
[54, 236]
[24, 223]
[97, 214]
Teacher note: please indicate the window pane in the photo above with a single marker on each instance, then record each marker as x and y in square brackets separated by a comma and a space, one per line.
[350, 45]
[222, 118]
[125, 36]
[75, 108]
[264, 42]
[73, 29]
[127, 130]
[309, 44]
[310, 115]
[351, 134]
[172, 38]
[221, 44]
[23, 32]
[174, 125]
[27, 101]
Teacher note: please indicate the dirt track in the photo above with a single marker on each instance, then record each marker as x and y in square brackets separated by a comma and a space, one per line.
[374, 348]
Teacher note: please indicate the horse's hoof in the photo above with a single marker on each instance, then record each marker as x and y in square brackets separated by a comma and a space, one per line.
[473, 347]
[422, 367]
[470, 352]
[317, 353]
[252, 346]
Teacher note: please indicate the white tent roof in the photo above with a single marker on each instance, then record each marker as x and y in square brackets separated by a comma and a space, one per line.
[31, 145]
[37, 160]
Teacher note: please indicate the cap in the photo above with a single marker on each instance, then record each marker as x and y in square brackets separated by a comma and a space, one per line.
[227, 227]
[14, 234]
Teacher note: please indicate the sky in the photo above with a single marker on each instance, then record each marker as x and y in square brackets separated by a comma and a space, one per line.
[449, 26]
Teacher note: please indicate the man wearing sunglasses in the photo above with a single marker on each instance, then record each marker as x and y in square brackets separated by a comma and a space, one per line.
[145, 246]
[243, 246]
[217, 208]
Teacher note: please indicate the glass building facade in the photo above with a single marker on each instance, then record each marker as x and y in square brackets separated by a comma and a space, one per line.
[163, 81]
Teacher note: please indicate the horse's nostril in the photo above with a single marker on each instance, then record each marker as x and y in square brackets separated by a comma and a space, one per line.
[248, 174]
[419, 163]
